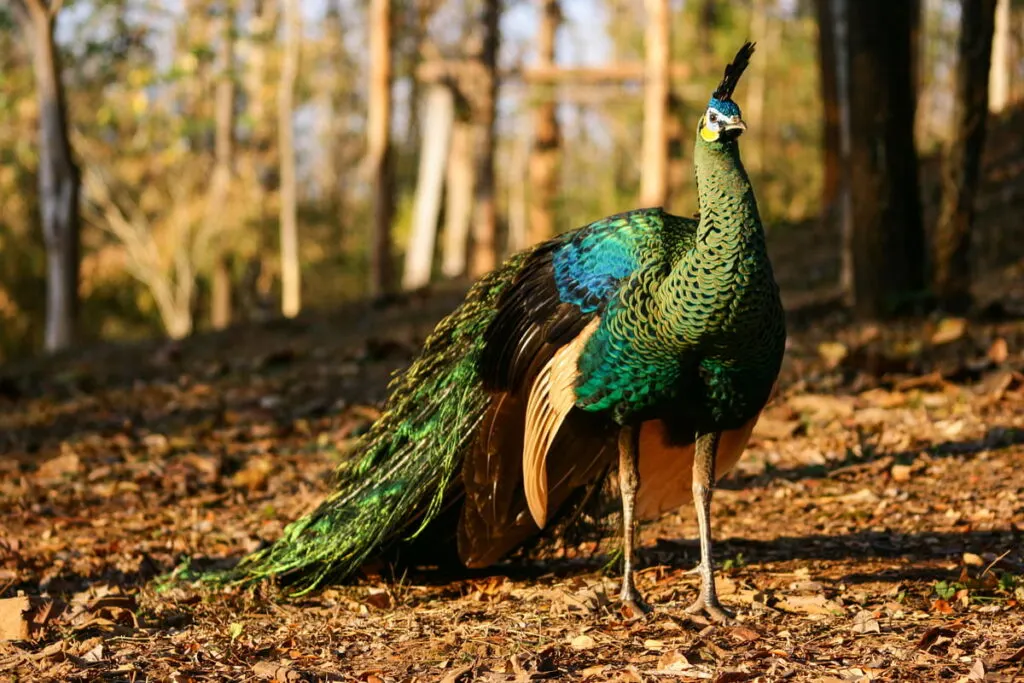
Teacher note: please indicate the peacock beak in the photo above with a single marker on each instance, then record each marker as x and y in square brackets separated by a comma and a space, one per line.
[736, 124]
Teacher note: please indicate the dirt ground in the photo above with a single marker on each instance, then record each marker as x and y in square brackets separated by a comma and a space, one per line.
[871, 533]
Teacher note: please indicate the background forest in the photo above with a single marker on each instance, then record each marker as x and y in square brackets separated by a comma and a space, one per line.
[197, 162]
[225, 224]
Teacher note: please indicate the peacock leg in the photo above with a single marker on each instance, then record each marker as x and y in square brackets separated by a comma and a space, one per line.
[629, 482]
[703, 487]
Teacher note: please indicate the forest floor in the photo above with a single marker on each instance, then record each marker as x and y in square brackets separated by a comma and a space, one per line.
[871, 533]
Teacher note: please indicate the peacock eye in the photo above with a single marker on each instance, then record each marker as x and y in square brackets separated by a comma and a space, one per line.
[713, 118]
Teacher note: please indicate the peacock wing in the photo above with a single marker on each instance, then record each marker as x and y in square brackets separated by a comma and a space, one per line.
[533, 448]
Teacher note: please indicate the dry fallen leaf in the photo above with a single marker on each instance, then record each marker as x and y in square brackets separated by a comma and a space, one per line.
[833, 353]
[810, 604]
[999, 352]
[822, 406]
[56, 468]
[742, 634]
[583, 642]
[673, 661]
[456, 675]
[1017, 656]
[14, 618]
[865, 622]
[949, 330]
[900, 473]
[972, 560]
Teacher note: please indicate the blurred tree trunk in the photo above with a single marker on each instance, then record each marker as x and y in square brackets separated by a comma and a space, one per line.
[838, 14]
[517, 178]
[484, 256]
[59, 179]
[764, 29]
[458, 210]
[378, 133]
[330, 83]
[291, 286]
[831, 135]
[679, 172]
[654, 153]
[707, 28]
[999, 81]
[438, 118]
[951, 276]
[543, 168]
[260, 150]
[888, 243]
[223, 170]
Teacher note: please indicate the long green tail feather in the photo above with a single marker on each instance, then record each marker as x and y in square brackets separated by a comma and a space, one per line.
[404, 467]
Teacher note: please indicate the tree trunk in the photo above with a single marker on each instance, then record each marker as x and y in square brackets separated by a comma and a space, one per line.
[221, 287]
[438, 119]
[59, 179]
[458, 209]
[999, 81]
[762, 26]
[831, 132]
[378, 143]
[217, 220]
[839, 15]
[330, 85]
[654, 153]
[543, 168]
[291, 287]
[680, 140]
[517, 177]
[888, 237]
[951, 277]
[484, 255]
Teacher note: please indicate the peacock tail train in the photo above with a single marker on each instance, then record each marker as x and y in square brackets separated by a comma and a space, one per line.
[405, 466]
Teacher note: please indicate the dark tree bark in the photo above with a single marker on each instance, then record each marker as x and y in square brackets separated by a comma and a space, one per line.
[59, 177]
[830, 121]
[951, 275]
[888, 238]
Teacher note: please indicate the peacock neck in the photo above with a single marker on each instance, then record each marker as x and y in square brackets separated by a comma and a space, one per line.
[725, 270]
[729, 220]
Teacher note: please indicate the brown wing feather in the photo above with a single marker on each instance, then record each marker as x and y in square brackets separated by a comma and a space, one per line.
[551, 398]
[530, 450]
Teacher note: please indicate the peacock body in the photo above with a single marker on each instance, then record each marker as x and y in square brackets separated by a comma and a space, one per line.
[645, 335]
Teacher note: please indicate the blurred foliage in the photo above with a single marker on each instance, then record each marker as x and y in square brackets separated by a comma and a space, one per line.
[140, 80]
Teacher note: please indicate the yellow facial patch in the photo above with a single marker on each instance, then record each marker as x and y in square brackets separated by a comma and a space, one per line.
[708, 134]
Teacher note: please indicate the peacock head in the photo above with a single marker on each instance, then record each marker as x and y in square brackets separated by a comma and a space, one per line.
[723, 120]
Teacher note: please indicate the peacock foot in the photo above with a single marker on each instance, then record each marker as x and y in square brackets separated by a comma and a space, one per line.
[696, 570]
[713, 608]
[633, 607]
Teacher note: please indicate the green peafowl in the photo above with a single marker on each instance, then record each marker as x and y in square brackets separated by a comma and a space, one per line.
[647, 336]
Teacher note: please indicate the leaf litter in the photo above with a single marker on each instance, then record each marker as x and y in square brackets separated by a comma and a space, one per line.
[872, 532]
